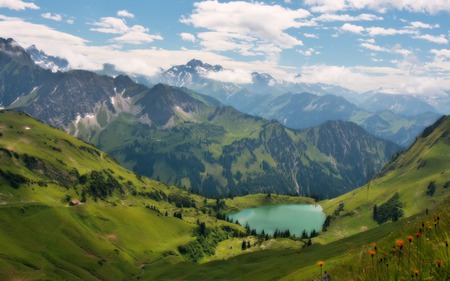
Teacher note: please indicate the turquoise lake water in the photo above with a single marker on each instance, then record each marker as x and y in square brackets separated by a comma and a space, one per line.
[295, 217]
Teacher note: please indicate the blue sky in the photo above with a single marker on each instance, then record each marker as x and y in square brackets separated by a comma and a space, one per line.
[398, 46]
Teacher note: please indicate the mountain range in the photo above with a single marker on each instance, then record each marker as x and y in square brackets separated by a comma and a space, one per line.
[178, 136]
[307, 102]
[303, 105]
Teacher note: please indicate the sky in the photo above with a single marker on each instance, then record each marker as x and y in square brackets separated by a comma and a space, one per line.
[391, 46]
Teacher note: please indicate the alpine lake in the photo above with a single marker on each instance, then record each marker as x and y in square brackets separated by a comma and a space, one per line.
[293, 217]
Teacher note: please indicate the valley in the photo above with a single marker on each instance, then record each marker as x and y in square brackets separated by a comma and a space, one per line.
[104, 178]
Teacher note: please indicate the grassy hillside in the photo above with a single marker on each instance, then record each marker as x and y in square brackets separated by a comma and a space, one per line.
[124, 223]
[412, 174]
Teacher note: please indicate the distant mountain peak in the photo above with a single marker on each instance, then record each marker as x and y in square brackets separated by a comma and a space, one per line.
[47, 61]
[263, 79]
[194, 63]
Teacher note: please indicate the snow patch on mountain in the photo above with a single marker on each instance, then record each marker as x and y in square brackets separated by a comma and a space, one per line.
[45, 61]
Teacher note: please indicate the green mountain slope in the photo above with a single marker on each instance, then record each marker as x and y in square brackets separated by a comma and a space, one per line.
[420, 175]
[118, 227]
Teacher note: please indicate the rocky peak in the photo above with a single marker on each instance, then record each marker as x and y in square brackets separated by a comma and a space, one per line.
[12, 50]
[47, 61]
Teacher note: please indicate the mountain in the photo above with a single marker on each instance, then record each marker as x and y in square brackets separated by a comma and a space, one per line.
[181, 137]
[18, 74]
[196, 75]
[419, 175]
[439, 101]
[302, 110]
[402, 130]
[399, 104]
[305, 110]
[46, 61]
[303, 105]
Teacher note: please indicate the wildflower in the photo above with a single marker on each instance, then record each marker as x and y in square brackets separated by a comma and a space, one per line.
[320, 263]
[410, 238]
[420, 230]
[418, 234]
[400, 244]
[416, 272]
[439, 263]
[372, 253]
[375, 247]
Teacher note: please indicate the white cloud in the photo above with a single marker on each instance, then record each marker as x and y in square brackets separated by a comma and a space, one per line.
[17, 5]
[311, 35]
[136, 37]
[288, 1]
[238, 76]
[125, 14]
[380, 31]
[136, 34]
[111, 25]
[346, 17]
[352, 28]
[362, 79]
[70, 21]
[368, 40]
[418, 24]
[246, 27]
[397, 49]
[420, 6]
[373, 47]
[434, 39]
[187, 37]
[50, 16]
[445, 53]
[309, 52]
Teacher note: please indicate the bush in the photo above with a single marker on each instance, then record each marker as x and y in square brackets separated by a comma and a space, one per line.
[392, 209]
[431, 189]
[14, 180]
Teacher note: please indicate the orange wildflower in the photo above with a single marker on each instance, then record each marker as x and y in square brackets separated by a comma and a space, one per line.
[439, 263]
[416, 272]
[375, 247]
[400, 244]
[320, 263]
[418, 234]
[410, 238]
[372, 253]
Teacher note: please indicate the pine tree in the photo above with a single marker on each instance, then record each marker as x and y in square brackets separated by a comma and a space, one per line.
[244, 245]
